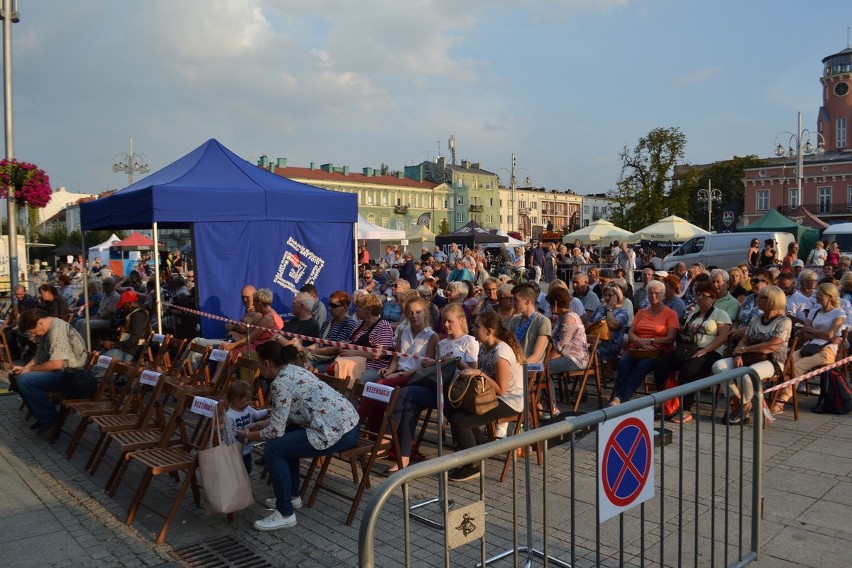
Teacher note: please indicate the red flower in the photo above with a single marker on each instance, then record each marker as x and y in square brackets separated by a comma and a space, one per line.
[32, 185]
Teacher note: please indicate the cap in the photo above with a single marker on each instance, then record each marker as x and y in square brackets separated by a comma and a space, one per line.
[799, 262]
[606, 273]
[126, 297]
[661, 273]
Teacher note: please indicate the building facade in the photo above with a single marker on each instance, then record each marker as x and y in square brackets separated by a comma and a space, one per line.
[538, 207]
[596, 206]
[388, 199]
[824, 187]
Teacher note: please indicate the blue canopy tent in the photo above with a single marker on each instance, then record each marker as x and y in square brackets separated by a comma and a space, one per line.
[249, 226]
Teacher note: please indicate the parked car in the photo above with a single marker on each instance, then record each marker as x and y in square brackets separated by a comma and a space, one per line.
[724, 250]
[841, 233]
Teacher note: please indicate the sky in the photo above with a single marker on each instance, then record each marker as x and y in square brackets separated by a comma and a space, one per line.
[565, 85]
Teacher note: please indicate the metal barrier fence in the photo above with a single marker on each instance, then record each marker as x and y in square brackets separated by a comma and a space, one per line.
[705, 510]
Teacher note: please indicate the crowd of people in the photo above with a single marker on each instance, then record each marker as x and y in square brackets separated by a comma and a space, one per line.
[446, 309]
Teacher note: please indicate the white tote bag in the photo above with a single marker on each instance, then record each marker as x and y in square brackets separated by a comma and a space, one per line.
[226, 484]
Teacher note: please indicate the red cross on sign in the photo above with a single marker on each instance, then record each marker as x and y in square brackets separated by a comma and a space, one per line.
[625, 463]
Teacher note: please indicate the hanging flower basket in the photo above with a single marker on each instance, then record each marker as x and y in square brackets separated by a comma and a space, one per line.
[32, 186]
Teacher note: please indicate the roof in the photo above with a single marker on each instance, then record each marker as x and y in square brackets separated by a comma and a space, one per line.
[351, 177]
[457, 168]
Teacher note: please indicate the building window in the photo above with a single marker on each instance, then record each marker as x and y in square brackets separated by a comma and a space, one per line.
[489, 219]
[369, 199]
[586, 209]
[533, 205]
[841, 132]
[446, 203]
[824, 203]
[586, 222]
[491, 202]
[386, 222]
[460, 200]
[459, 182]
[522, 204]
[459, 217]
[371, 218]
[384, 199]
[794, 198]
[763, 200]
[849, 198]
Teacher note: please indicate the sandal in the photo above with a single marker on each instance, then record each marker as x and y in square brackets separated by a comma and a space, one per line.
[777, 408]
[678, 419]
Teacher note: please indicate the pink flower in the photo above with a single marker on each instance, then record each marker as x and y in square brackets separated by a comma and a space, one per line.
[32, 185]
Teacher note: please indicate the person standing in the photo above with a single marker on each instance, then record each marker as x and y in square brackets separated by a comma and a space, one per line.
[537, 260]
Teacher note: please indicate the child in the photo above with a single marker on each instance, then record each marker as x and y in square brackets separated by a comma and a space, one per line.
[241, 415]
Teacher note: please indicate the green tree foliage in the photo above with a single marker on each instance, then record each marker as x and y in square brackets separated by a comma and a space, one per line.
[642, 194]
[726, 176]
[443, 227]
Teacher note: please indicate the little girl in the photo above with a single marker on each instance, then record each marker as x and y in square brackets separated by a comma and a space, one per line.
[241, 415]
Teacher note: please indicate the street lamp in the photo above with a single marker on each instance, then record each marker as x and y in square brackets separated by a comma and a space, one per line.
[129, 163]
[710, 195]
[513, 184]
[803, 147]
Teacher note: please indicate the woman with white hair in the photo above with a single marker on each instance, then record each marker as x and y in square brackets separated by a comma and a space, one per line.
[654, 329]
[460, 272]
[481, 275]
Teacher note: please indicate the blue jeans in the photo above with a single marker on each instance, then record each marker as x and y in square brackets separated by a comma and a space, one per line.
[631, 374]
[33, 388]
[408, 406]
[116, 354]
[282, 458]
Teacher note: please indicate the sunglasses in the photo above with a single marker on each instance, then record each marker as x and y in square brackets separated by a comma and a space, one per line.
[333, 305]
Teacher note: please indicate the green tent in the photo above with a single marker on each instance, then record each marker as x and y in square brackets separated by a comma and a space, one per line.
[775, 221]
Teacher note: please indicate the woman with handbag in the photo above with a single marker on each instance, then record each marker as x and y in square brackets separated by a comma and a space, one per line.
[763, 347]
[819, 336]
[700, 344]
[500, 367]
[308, 419]
[373, 332]
[654, 329]
[609, 322]
[413, 398]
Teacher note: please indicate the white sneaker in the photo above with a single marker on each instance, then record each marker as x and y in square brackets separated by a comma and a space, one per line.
[275, 521]
[501, 430]
[270, 502]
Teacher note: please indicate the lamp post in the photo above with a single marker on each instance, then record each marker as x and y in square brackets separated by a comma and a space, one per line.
[513, 184]
[803, 147]
[710, 195]
[129, 163]
[9, 15]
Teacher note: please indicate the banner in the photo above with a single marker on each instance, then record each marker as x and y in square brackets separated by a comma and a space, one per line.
[727, 216]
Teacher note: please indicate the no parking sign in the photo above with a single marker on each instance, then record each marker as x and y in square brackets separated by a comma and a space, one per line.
[625, 462]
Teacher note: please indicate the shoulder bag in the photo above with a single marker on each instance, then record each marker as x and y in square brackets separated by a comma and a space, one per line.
[686, 346]
[227, 487]
[472, 393]
[601, 329]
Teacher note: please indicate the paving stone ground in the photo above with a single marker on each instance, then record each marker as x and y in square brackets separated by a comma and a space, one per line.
[53, 513]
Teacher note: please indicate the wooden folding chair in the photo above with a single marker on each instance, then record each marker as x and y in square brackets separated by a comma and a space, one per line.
[6, 361]
[171, 460]
[788, 372]
[343, 385]
[371, 442]
[537, 384]
[155, 359]
[172, 358]
[195, 374]
[145, 438]
[579, 379]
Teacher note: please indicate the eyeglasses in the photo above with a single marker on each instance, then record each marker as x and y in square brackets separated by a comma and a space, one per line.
[333, 305]
[705, 297]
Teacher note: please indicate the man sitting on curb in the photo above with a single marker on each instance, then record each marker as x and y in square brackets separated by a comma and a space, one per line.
[60, 347]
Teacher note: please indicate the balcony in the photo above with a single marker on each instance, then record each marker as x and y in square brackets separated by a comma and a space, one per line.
[523, 211]
[477, 208]
[820, 208]
[401, 209]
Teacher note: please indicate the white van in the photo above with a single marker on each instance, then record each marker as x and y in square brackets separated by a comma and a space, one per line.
[841, 233]
[723, 250]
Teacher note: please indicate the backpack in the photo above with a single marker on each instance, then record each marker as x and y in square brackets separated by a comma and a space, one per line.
[835, 395]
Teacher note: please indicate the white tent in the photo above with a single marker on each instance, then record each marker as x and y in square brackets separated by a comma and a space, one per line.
[101, 251]
[597, 231]
[369, 231]
[672, 228]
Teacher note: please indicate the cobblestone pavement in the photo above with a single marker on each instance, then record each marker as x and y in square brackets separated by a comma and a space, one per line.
[53, 513]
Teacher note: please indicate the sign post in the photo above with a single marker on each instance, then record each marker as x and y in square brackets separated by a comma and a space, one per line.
[625, 463]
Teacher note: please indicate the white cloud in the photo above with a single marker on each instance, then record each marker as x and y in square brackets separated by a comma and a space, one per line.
[698, 76]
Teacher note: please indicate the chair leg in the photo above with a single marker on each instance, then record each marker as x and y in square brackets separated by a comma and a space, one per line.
[310, 473]
[190, 480]
[117, 475]
[101, 440]
[75, 439]
[100, 455]
[137, 497]
[318, 482]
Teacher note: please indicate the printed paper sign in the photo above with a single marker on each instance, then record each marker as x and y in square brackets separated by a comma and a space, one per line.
[158, 338]
[103, 361]
[150, 378]
[535, 367]
[204, 406]
[378, 392]
[218, 355]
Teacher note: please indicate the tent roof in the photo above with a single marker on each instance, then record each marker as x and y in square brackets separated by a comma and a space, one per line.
[211, 183]
[135, 240]
[371, 231]
[771, 220]
[113, 238]
[65, 249]
[480, 235]
[803, 215]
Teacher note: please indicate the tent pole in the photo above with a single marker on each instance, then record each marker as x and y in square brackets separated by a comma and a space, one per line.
[355, 236]
[85, 269]
[157, 298]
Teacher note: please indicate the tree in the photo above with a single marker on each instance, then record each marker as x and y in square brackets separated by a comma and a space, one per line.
[443, 227]
[642, 193]
[726, 176]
